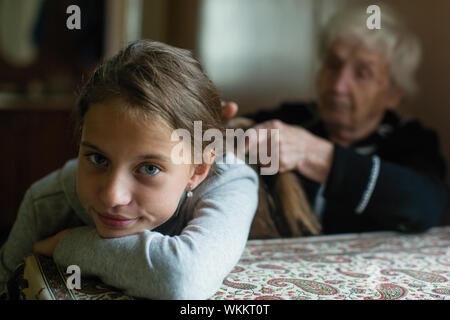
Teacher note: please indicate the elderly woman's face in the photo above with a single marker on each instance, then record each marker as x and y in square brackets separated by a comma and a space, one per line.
[354, 90]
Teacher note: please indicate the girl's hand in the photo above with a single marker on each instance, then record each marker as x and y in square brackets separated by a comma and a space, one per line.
[47, 246]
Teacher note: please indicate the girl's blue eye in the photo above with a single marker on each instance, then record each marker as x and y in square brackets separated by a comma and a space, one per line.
[149, 170]
[97, 159]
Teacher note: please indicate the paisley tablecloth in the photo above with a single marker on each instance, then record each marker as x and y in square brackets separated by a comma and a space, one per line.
[370, 266]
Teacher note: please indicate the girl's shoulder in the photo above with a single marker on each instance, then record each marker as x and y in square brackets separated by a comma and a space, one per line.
[57, 189]
[230, 172]
[55, 182]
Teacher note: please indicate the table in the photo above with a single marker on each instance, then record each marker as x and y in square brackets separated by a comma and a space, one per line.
[368, 266]
[381, 266]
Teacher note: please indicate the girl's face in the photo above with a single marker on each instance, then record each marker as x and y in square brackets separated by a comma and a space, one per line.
[126, 179]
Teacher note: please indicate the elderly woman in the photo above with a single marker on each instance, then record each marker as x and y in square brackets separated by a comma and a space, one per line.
[362, 166]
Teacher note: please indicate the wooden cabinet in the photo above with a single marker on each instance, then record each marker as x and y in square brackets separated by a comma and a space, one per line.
[35, 139]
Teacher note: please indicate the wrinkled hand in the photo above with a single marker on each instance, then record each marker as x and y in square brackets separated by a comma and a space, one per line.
[229, 110]
[298, 150]
[47, 246]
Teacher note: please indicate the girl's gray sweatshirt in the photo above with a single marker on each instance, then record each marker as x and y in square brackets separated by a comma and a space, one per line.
[186, 258]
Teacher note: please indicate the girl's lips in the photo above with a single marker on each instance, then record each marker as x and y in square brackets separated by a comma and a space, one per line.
[113, 221]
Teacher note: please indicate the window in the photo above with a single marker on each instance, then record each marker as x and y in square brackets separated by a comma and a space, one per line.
[261, 52]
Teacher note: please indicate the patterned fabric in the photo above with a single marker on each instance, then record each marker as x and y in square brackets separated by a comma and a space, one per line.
[39, 278]
[370, 266]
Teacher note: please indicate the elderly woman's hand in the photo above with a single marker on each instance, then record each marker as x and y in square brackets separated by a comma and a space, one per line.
[229, 110]
[299, 150]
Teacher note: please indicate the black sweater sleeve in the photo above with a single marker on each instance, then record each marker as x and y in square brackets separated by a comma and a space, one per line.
[401, 189]
[288, 112]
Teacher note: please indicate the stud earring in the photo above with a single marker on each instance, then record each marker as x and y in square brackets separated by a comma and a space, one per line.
[189, 194]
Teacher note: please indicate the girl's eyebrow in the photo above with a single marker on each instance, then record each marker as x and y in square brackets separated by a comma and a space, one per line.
[90, 145]
[159, 157]
[141, 157]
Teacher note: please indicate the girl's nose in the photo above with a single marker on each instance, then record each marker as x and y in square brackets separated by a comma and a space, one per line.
[115, 191]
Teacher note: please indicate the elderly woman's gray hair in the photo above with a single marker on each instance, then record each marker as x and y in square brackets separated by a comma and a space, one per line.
[400, 47]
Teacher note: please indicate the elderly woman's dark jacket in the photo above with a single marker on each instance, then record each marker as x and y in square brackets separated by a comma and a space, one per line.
[392, 180]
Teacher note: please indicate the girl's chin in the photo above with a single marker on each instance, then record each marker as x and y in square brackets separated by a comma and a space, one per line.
[115, 232]
[108, 233]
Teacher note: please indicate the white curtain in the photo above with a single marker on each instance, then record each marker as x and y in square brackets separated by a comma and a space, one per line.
[262, 52]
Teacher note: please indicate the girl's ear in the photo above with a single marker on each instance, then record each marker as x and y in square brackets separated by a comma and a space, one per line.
[200, 172]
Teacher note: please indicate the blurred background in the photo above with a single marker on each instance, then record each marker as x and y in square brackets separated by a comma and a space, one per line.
[258, 52]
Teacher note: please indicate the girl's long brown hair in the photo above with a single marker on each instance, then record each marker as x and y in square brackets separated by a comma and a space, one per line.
[155, 80]
[285, 202]
[283, 208]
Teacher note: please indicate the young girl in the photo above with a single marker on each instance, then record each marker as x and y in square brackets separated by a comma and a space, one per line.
[124, 211]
